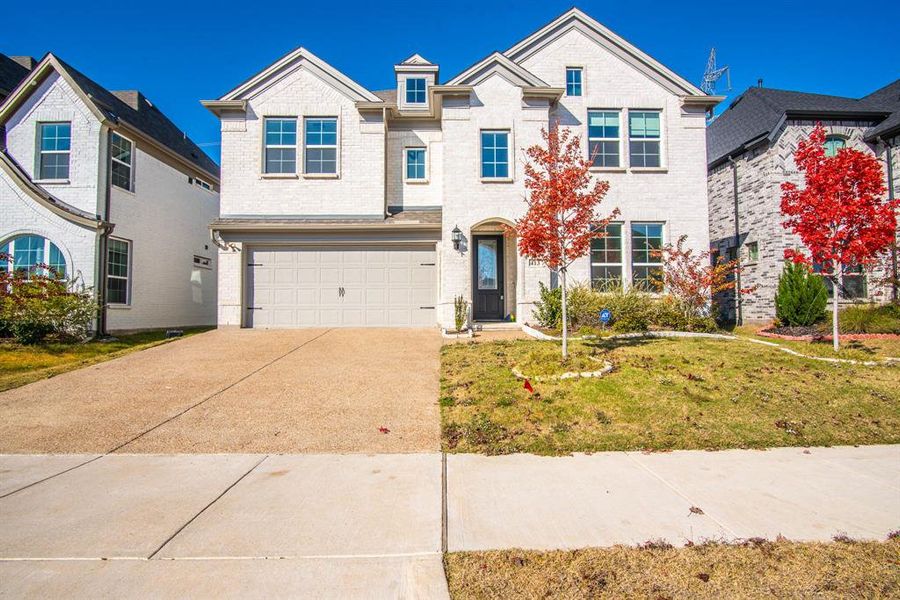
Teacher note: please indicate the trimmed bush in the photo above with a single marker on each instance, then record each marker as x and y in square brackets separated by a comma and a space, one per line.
[548, 310]
[869, 318]
[801, 297]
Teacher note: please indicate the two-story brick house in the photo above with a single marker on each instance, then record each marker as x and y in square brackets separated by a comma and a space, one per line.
[751, 149]
[106, 190]
[344, 206]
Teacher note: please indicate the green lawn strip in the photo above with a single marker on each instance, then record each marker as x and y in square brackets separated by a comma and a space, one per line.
[20, 365]
[756, 569]
[663, 394]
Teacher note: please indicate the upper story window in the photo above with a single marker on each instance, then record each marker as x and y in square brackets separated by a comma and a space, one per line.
[118, 271]
[494, 154]
[320, 148]
[200, 183]
[121, 160]
[415, 90]
[281, 145]
[603, 138]
[644, 137]
[646, 259]
[415, 164]
[55, 146]
[25, 253]
[573, 81]
[833, 143]
[606, 259]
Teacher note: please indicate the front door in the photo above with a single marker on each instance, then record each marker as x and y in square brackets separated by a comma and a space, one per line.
[487, 278]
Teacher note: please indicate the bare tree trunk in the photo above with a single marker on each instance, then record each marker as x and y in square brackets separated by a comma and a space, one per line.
[565, 315]
[838, 285]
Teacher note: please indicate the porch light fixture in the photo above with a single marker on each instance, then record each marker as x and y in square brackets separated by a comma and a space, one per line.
[456, 237]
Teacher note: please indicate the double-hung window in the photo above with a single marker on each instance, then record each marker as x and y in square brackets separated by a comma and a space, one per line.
[494, 154]
[118, 271]
[281, 145]
[603, 138]
[415, 90]
[121, 159]
[646, 257]
[833, 143]
[415, 164]
[55, 147]
[320, 147]
[573, 81]
[644, 138]
[853, 281]
[606, 259]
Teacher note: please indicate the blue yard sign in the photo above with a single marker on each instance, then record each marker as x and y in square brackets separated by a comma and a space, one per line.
[605, 316]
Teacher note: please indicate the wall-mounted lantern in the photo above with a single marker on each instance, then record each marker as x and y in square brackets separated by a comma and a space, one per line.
[456, 237]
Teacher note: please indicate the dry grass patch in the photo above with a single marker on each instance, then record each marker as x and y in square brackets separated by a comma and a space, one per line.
[662, 394]
[759, 569]
[871, 349]
[20, 364]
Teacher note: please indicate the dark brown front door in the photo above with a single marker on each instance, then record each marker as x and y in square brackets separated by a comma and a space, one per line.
[487, 277]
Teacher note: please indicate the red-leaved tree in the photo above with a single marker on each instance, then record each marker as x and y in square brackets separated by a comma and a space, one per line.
[562, 203]
[841, 215]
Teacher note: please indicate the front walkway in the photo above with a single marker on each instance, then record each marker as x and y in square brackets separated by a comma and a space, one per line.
[352, 526]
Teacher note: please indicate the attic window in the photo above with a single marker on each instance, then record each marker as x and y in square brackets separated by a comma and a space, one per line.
[573, 81]
[415, 90]
[199, 183]
[833, 143]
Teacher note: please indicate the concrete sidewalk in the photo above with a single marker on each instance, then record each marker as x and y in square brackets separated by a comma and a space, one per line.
[525, 501]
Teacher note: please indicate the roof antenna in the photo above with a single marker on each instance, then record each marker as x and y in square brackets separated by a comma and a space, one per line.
[759, 82]
[714, 74]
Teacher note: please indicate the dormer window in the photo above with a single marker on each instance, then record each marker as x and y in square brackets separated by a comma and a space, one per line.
[415, 90]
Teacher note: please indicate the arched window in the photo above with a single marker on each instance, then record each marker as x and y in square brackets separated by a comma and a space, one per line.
[27, 251]
[833, 143]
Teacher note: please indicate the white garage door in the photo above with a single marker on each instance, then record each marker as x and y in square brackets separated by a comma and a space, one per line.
[341, 287]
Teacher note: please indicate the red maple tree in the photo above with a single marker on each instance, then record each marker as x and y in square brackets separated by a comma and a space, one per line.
[562, 203]
[841, 214]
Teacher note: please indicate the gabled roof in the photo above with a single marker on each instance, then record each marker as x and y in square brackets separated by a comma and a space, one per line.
[11, 74]
[287, 64]
[759, 113]
[417, 60]
[575, 19]
[498, 63]
[135, 116]
[887, 98]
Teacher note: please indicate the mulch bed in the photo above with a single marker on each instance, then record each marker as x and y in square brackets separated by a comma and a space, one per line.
[812, 333]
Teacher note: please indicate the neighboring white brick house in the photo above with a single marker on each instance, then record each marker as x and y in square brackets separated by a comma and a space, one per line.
[751, 153]
[104, 187]
[355, 226]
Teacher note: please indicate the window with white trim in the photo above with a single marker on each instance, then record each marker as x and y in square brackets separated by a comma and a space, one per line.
[494, 154]
[606, 259]
[573, 81]
[118, 271]
[54, 147]
[280, 145]
[121, 159]
[603, 138]
[646, 257]
[200, 183]
[320, 145]
[415, 164]
[415, 90]
[644, 134]
[29, 254]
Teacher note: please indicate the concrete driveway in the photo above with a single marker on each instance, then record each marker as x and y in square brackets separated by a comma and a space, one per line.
[289, 391]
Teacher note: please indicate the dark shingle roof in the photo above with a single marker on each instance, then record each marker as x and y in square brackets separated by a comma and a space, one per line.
[11, 73]
[758, 112]
[888, 98]
[133, 108]
[389, 96]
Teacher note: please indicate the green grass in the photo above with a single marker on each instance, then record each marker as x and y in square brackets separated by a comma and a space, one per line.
[662, 394]
[756, 569]
[20, 365]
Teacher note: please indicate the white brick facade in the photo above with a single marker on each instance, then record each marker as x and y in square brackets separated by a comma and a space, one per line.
[494, 97]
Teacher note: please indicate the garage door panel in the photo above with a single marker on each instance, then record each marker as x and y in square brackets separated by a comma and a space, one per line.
[299, 287]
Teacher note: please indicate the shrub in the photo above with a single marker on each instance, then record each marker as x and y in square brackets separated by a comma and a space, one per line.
[460, 312]
[631, 309]
[584, 305]
[870, 318]
[548, 310]
[801, 297]
[668, 313]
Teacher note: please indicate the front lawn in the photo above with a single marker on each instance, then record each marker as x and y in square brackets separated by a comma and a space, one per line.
[20, 364]
[662, 394]
[757, 569]
[869, 349]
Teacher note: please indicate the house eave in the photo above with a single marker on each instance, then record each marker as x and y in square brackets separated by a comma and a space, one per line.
[218, 107]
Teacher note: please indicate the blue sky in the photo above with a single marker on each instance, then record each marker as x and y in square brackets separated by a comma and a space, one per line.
[178, 53]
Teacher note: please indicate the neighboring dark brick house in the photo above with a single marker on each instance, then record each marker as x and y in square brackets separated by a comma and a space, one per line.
[750, 150]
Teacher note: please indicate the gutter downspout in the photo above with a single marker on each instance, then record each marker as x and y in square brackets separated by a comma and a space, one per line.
[103, 242]
[739, 313]
[890, 182]
[384, 119]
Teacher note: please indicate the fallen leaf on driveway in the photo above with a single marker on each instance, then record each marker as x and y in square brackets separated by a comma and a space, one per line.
[696, 510]
[384, 430]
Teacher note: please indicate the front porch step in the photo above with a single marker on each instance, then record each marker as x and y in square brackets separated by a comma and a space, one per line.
[497, 326]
